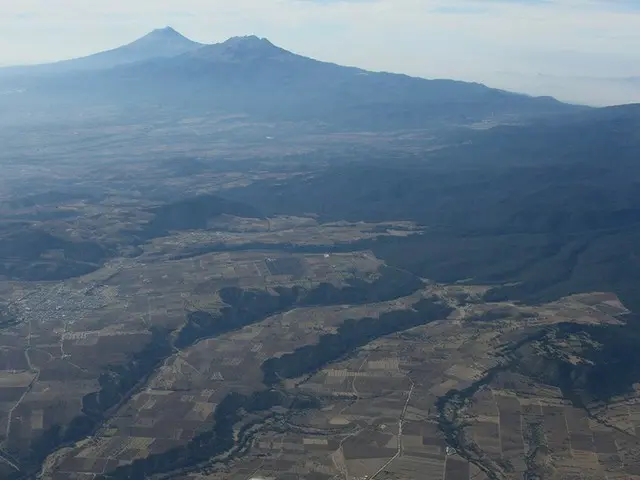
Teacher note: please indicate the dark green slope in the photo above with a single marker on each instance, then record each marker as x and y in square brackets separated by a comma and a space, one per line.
[553, 205]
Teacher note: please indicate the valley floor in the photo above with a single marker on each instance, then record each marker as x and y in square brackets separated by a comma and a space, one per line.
[457, 396]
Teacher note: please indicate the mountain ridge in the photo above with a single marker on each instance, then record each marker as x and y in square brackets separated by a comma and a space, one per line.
[251, 76]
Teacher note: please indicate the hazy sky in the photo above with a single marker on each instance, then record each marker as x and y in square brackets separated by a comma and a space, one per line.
[501, 42]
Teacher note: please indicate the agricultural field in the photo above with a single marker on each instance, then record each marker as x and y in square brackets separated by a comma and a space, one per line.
[442, 397]
[384, 415]
[328, 362]
[67, 334]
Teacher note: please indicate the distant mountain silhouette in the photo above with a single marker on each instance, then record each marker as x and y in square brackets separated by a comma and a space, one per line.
[160, 43]
[250, 75]
[245, 48]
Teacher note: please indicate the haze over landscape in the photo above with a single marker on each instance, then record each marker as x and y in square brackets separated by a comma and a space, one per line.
[234, 257]
[585, 50]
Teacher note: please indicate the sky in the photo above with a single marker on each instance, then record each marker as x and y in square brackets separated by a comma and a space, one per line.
[577, 50]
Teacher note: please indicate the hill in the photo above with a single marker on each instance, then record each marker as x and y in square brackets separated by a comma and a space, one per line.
[551, 206]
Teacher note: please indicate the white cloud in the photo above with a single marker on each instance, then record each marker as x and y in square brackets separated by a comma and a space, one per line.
[467, 39]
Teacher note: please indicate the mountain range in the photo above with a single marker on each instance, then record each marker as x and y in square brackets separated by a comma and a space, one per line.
[251, 76]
